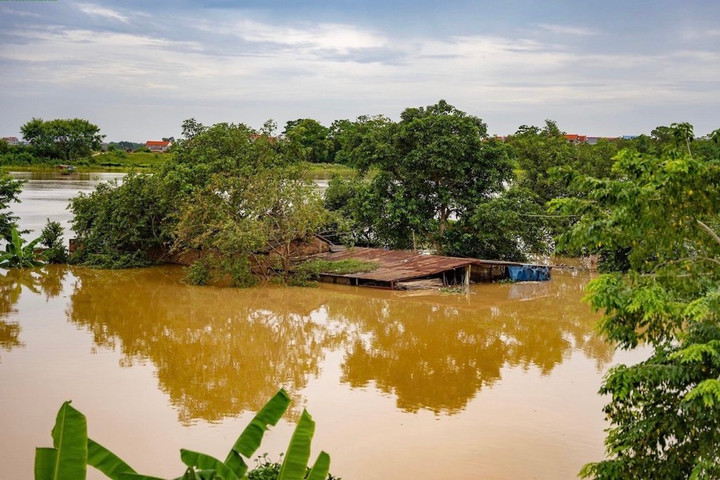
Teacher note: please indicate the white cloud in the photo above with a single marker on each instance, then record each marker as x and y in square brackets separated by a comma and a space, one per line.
[231, 63]
[19, 13]
[568, 29]
[96, 10]
[335, 37]
[701, 34]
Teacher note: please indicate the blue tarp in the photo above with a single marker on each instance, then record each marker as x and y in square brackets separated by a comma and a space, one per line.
[529, 273]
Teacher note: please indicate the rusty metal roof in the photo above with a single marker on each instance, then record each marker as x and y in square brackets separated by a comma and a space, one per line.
[399, 265]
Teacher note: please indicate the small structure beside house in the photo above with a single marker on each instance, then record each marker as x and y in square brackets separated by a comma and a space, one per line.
[158, 146]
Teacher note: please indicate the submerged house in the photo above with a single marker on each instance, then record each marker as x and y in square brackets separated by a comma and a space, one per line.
[405, 270]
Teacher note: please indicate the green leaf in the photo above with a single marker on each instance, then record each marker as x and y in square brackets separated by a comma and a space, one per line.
[45, 463]
[295, 463]
[16, 240]
[106, 461]
[68, 459]
[249, 440]
[205, 462]
[708, 391]
[321, 468]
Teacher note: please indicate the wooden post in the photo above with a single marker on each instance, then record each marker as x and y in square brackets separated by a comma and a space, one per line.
[467, 278]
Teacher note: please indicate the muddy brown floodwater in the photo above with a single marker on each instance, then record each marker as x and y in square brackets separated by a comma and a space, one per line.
[498, 384]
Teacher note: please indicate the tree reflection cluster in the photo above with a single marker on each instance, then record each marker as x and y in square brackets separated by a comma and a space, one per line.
[219, 352]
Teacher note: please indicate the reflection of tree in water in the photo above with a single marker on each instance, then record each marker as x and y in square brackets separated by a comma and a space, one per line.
[218, 352]
[429, 356]
[547, 329]
[438, 353]
[47, 281]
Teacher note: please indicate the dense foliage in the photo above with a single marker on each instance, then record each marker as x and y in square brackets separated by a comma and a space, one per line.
[65, 139]
[662, 211]
[435, 180]
[9, 191]
[51, 238]
[18, 254]
[123, 225]
[228, 192]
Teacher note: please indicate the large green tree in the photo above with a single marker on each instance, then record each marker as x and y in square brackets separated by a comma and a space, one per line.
[544, 155]
[249, 223]
[65, 139]
[430, 170]
[309, 140]
[664, 411]
[228, 191]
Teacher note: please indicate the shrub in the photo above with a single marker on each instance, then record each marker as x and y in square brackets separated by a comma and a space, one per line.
[51, 238]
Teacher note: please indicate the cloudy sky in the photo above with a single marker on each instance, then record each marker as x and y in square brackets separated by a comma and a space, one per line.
[138, 68]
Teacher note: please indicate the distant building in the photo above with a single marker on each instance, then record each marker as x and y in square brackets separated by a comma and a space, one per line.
[11, 140]
[594, 140]
[157, 146]
[575, 138]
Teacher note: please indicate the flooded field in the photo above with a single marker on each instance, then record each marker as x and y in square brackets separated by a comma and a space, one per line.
[497, 384]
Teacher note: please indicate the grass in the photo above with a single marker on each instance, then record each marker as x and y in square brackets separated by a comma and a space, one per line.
[306, 274]
[100, 162]
[338, 267]
[129, 160]
[119, 161]
[327, 170]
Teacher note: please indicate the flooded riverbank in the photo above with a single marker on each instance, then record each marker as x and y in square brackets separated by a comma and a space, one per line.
[500, 383]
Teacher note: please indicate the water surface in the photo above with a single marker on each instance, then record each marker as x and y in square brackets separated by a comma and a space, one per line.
[497, 384]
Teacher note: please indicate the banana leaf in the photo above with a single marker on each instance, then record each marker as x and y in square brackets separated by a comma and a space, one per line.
[249, 440]
[321, 468]
[106, 461]
[206, 462]
[294, 465]
[67, 460]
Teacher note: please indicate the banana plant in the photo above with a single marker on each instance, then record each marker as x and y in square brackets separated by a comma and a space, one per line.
[72, 451]
[18, 256]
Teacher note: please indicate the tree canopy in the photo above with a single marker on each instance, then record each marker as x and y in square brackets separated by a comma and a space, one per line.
[65, 139]
[436, 179]
[664, 411]
[309, 140]
[229, 192]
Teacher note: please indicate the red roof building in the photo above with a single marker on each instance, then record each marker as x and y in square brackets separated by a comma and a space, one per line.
[157, 146]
